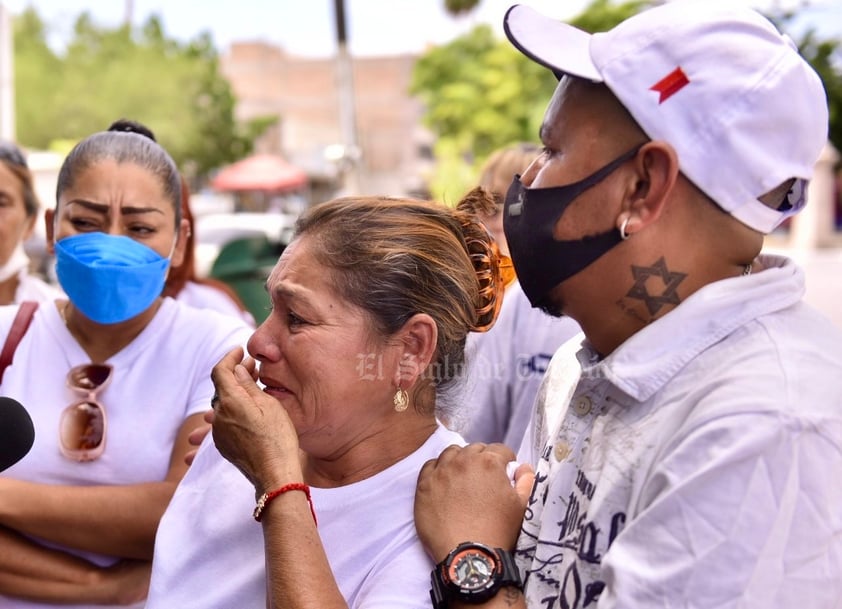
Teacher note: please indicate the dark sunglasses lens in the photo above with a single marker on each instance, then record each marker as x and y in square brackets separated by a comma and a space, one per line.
[82, 426]
[89, 377]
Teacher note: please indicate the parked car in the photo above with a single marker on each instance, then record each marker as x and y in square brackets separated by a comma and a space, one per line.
[214, 231]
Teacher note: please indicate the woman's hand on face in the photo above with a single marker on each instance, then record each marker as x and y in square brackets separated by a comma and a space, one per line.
[252, 429]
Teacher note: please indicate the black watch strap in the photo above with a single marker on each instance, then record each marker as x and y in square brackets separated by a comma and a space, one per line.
[510, 575]
[443, 591]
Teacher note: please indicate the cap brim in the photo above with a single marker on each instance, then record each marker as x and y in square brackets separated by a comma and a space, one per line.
[558, 46]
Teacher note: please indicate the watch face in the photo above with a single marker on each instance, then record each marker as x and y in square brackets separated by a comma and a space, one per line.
[471, 569]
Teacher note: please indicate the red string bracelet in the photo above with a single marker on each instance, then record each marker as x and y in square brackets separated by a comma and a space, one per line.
[267, 498]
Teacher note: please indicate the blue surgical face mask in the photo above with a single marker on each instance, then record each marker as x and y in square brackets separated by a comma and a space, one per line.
[109, 278]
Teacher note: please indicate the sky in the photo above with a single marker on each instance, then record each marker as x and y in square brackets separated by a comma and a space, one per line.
[307, 27]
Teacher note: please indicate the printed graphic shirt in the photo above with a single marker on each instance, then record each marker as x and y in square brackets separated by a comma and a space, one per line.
[698, 465]
[506, 366]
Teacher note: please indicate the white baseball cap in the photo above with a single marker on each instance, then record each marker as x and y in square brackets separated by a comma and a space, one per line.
[743, 110]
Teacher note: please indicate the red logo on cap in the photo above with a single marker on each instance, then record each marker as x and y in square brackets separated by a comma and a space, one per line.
[670, 84]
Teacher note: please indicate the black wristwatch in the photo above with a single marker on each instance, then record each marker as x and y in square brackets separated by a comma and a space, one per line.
[472, 573]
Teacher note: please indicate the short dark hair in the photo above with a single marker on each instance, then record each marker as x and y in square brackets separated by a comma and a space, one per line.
[125, 141]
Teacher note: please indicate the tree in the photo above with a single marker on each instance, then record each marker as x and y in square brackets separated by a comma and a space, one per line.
[477, 91]
[38, 72]
[473, 89]
[826, 58]
[104, 74]
[457, 7]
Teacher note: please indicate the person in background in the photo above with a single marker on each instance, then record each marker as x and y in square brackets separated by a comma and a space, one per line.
[18, 215]
[496, 175]
[371, 305]
[203, 292]
[507, 363]
[696, 463]
[114, 377]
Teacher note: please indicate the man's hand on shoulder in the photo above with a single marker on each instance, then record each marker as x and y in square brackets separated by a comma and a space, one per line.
[467, 495]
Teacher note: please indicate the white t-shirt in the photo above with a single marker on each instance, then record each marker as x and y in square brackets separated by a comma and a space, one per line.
[30, 287]
[34, 288]
[699, 464]
[203, 296]
[505, 368]
[209, 550]
[158, 380]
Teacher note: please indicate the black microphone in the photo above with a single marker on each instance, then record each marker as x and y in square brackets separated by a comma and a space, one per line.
[16, 432]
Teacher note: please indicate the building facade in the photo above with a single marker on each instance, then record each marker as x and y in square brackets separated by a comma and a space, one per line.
[304, 95]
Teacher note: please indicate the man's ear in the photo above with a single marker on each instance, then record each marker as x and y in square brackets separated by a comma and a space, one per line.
[49, 215]
[655, 173]
[418, 339]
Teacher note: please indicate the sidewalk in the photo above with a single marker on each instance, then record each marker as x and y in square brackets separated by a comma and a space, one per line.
[823, 268]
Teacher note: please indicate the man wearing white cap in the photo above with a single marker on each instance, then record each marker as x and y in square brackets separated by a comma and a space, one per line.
[697, 450]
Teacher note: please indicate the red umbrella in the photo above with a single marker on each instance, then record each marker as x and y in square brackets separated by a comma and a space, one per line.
[264, 172]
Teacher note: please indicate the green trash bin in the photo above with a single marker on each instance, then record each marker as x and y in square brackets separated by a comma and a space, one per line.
[245, 264]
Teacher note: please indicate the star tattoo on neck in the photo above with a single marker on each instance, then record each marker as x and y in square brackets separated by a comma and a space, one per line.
[670, 281]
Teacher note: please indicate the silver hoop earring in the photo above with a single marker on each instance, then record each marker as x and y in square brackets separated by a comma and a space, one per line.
[623, 234]
[401, 400]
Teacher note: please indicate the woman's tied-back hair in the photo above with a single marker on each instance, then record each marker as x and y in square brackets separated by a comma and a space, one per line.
[484, 256]
[397, 257]
[125, 141]
[12, 157]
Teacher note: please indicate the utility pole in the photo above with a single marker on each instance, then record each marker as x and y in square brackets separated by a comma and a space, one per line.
[347, 104]
[128, 13]
[7, 76]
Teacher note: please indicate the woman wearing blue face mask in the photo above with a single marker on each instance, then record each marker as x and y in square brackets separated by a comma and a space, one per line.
[114, 377]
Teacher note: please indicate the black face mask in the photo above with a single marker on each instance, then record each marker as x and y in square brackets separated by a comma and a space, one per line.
[529, 217]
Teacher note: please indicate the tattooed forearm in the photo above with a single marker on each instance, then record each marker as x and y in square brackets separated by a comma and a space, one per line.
[511, 596]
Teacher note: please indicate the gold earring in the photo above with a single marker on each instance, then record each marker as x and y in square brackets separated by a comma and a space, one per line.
[401, 400]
